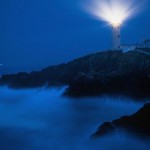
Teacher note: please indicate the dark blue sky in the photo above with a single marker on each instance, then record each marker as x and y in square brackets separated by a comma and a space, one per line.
[38, 33]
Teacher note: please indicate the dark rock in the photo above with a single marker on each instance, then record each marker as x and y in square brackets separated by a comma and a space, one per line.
[105, 128]
[138, 123]
[110, 72]
[135, 84]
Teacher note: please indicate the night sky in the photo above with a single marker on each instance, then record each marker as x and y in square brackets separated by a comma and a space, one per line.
[39, 33]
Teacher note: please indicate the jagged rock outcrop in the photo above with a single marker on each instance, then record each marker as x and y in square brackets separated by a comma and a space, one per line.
[110, 72]
[138, 123]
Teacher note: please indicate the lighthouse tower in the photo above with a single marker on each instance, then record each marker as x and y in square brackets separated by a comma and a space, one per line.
[116, 41]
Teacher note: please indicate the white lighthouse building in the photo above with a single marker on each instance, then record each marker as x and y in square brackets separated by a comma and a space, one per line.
[116, 38]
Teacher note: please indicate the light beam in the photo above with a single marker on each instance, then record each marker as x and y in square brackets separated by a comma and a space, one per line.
[114, 12]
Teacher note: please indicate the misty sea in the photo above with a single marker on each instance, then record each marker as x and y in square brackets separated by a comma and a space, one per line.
[42, 119]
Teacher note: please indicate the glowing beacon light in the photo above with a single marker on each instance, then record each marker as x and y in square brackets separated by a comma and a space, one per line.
[114, 12]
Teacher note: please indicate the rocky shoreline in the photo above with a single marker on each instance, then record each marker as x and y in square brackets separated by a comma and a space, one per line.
[110, 72]
[138, 124]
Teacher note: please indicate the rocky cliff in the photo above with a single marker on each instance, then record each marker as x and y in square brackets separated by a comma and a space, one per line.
[112, 72]
[138, 123]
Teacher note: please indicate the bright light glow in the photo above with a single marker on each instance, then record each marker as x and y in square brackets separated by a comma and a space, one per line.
[114, 12]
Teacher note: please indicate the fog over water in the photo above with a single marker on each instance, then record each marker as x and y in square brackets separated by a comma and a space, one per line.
[42, 119]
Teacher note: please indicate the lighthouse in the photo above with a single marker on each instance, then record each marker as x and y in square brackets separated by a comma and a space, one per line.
[116, 38]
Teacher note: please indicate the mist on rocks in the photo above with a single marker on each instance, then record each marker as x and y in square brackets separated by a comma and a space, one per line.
[35, 119]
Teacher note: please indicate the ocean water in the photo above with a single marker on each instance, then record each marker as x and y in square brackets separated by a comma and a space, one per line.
[42, 119]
